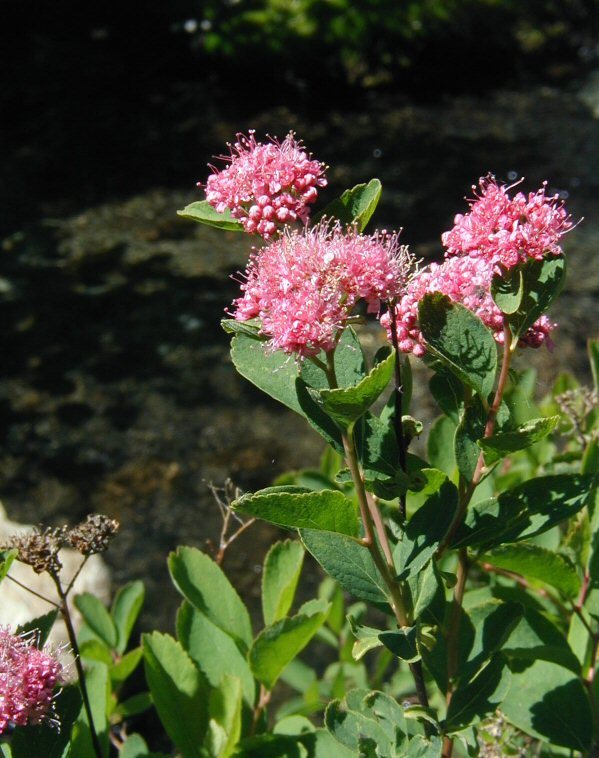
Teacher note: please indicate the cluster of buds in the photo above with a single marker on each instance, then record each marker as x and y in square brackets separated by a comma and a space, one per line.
[28, 677]
[266, 185]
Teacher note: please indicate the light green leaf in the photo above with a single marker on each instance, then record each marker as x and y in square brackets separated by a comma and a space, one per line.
[6, 559]
[460, 340]
[550, 703]
[224, 728]
[98, 690]
[535, 562]
[348, 562]
[346, 405]
[282, 568]
[213, 650]
[97, 618]
[348, 727]
[125, 610]
[122, 670]
[503, 443]
[507, 289]
[279, 643]
[355, 205]
[250, 328]
[441, 445]
[202, 212]
[203, 583]
[449, 394]
[179, 691]
[328, 510]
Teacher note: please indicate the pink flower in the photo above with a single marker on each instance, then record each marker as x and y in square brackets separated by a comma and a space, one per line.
[465, 280]
[28, 677]
[266, 186]
[304, 285]
[508, 230]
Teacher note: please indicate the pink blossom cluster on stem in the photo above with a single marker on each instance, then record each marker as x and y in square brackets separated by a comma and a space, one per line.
[28, 677]
[266, 185]
[304, 285]
[497, 233]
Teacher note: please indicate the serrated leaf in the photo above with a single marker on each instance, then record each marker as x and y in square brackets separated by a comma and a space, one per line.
[346, 405]
[542, 282]
[205, 586]
[501, 444]
[348, 562]
[480, 697]
[526, 510]
[328, 510]
[536, 562]
[179, 691]
[202, 212]
[278, 644]
[125, 610]
[356, 205]
[460, 340]
[97, 617]
[550, 703]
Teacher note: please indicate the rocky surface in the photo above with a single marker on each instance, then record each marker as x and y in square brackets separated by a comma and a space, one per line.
[117, 392]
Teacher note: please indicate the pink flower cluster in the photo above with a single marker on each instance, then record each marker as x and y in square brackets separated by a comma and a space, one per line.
[28, 677]
[304, 285]
[464, 280]
[498, 231]
[508, 230]
[266, 185]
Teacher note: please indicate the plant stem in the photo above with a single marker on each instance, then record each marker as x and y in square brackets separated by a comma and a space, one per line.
[66, 615]
[33, 592]
[398, 415]
[263, 701]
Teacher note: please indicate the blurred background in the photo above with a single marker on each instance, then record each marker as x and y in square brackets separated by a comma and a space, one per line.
[116, 393]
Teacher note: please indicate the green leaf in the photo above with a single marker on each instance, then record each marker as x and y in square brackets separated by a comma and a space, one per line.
[134, 705]
[225, 726]
[460, 340]
[97, 618]
[96, 650]
[122, 670]
[426, 529]
[468, 433]
[536, 637]
[348, 726]
[346, 405]
[503, 443]
[282, 568]
[202, 212]
[98, 690]
[379, 455]
[542, 283]
[367, 638]
[250, 328]
[440, 446]
[507, 289]
[355, 205]
[448, 393]
[213, 650]
[203, 583]
[40, 626]
[403, 643]
[179, 692]
[45, 739]
[535, 562]
[329, 510]
[134, 747]
[125, 610]
[348, 562]
[279, 643]
[526, 510]
[480, 697]
[550, 703]
[421, 747]
[6, 559]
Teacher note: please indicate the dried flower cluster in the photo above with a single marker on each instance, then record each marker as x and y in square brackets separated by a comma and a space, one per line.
[304, 285]
[92, 535]
[266, 185]
[28, 677]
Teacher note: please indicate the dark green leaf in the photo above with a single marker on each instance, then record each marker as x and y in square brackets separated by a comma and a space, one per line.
[542, 282]
[203, 583]
[460, 340]
[279, 643]
[346, 405]
[526, 510]
[403, 643]
[468, 433]
[425, 530]
[329, 510]
[480, 697]
[550, 703]
[503, 443]
[226, 706]
[213, 650]
[134, 705]
[282, 568]
[355, 205]
[202, 212]
[40, 626]
[179, 691]
[379, 455]
[449, 394]
[348, 562]
[125, 610]
[97, 618]
[535, 562]
[348, 360]
[440, 446]
[98, 690]
[348, 726]
[536, 637]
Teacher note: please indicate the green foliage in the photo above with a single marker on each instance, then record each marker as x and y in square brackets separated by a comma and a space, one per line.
[202, 212]
[355, 206]
[282, 568]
